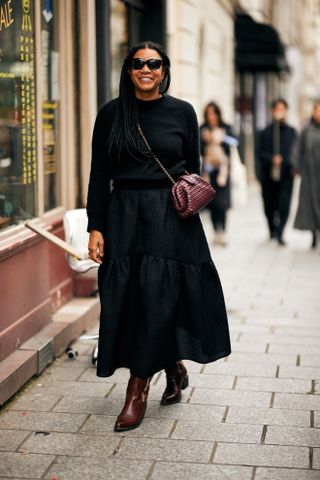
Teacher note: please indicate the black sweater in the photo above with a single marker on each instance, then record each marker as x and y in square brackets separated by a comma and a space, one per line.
[171, 128]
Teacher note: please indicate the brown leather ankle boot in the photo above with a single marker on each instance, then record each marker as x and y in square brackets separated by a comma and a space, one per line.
[177, 380]
[135, 404]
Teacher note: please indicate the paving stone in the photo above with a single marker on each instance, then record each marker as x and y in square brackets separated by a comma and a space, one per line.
[89, 405]
[167, 450]
[86, 389]
[262, 455]
[285, 474]
[245, 327]
[80, 361]
[316, 458]
[74, 468]
[310, 360]
[187, 471]
[63, 422]
[14, 464]
[11, 439]
[264, 358]
[205, 381]
[230, 397]
[220, 432]
[268, 416]
[281, 338]
[296, 400]
[317, 419]
[120, 376]
[81, 445]
[260, 318]
[294, 330]
[312, 373]
[274, 384]
[150, 427]
[61, 373]
[243, 368]
[186, 411]
[298, 349]
[249, 347]
[308, 437]
[39, 402]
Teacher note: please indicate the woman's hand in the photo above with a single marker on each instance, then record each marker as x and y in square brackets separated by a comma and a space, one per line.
[96, 246]
[218, 135]
[206, 135]
[277, 160]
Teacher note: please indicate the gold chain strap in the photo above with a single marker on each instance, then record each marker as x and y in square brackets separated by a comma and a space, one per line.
[154, 156]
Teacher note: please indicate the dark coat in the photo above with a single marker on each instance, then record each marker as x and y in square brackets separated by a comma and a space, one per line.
[266, 150]
[306, 161]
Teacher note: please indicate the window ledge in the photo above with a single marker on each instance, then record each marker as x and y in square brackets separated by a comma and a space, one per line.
[17, 238]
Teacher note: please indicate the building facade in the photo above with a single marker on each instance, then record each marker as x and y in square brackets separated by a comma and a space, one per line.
[289, 29]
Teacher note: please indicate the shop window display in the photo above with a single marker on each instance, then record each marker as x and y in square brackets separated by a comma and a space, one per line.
[18, 127]
[18, 151]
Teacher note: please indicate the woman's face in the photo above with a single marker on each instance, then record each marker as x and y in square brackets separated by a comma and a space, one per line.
[146, 80]
[212, 117]
[316, 113]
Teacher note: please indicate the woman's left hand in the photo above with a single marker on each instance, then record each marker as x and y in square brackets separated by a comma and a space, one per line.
[96, 246]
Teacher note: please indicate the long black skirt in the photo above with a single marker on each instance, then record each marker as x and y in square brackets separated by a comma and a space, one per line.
[161, 297]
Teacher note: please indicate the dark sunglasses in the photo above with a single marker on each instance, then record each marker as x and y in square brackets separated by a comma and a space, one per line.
[139, 63]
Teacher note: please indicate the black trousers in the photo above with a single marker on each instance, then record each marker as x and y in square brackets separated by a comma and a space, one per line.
[218, 218]
[276, 201]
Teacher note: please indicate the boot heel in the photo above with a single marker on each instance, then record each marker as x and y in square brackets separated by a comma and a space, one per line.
[185, 383]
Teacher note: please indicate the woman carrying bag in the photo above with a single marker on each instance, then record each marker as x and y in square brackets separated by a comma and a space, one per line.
[215, 149]
[161, 298]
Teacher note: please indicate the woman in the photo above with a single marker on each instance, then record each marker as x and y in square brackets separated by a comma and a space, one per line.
[161, 298]
[307, 163]
[215, 150]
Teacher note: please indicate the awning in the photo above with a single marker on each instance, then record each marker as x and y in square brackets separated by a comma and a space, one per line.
[258, 47]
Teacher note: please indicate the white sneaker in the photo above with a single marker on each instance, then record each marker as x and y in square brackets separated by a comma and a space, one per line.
[220, 239]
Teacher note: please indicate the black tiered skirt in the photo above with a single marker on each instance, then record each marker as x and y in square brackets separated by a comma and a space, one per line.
[161, 297]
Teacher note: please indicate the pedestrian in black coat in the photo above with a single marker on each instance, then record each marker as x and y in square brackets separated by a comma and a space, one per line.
[306, 160]
[161, 297]
[275, 169]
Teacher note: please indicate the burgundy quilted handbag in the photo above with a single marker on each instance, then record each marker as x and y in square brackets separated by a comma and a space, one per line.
[190, 192]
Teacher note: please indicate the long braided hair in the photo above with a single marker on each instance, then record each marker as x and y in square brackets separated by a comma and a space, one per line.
[124, 134]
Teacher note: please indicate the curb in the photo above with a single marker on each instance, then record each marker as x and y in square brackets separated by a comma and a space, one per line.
[68, 323]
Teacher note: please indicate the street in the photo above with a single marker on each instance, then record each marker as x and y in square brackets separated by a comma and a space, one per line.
[252, 416]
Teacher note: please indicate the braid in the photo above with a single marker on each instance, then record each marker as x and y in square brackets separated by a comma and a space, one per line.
[124, 134]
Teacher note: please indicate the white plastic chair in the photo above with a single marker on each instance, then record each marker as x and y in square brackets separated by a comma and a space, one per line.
[74, 224]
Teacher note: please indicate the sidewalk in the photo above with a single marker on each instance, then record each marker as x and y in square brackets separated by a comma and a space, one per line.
[252, 416]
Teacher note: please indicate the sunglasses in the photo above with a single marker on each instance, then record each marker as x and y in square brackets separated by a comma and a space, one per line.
[139, 63]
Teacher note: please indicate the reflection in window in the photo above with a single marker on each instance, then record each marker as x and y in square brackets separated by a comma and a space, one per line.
[50, 102]
[17, 112]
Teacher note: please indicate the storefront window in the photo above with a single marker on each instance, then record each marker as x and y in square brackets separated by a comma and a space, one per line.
[50, 102]
[18, 148]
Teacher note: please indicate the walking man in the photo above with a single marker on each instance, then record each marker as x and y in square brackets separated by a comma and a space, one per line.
[275, 170]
